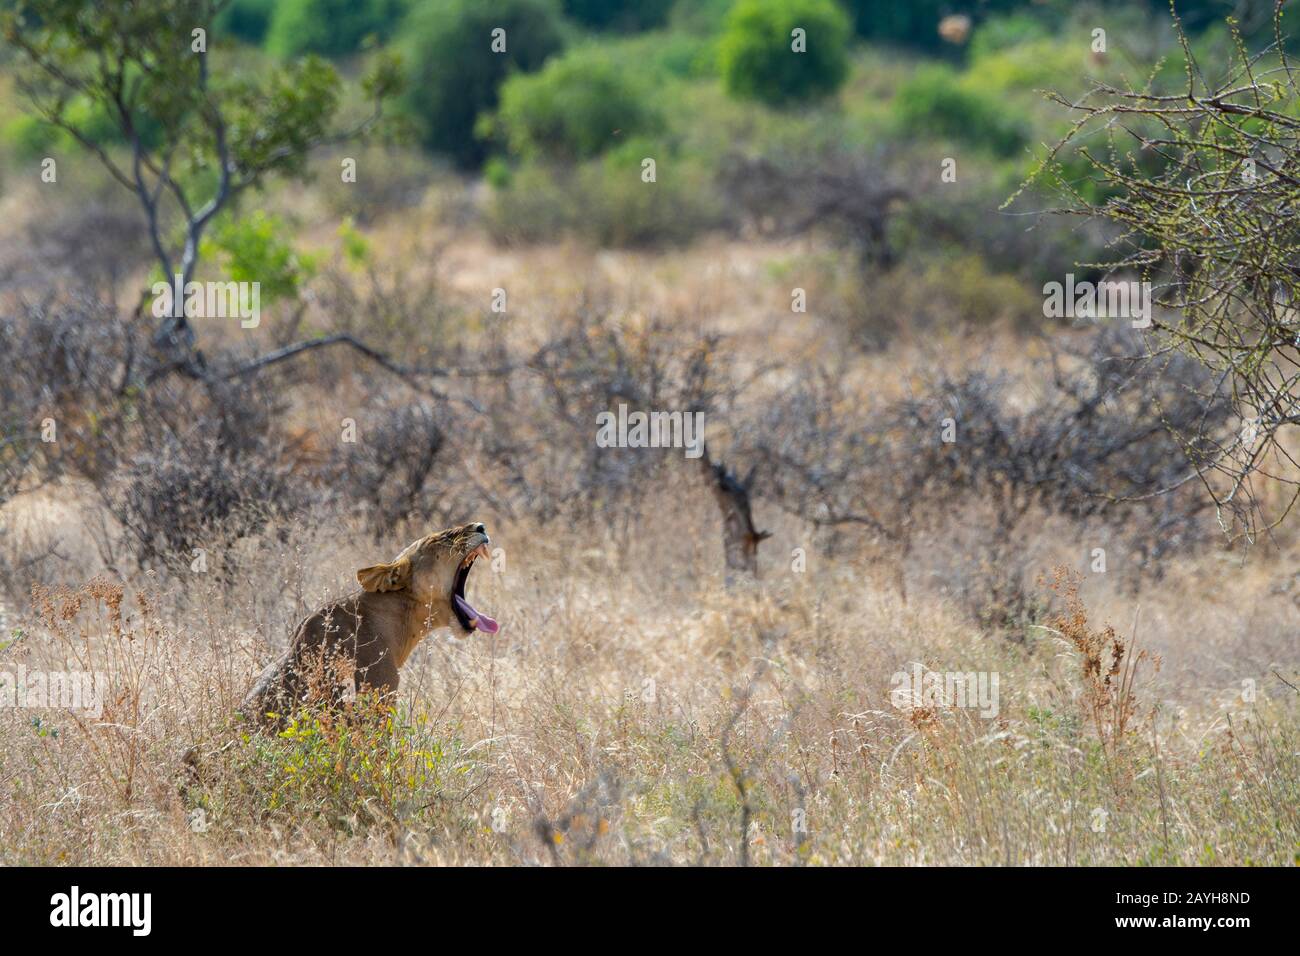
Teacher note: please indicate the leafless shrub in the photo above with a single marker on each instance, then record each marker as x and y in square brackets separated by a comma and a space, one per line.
[197, 464]
[1102, 442]
[395, 307]
[539, 429]
[67, 360]
[95, 245]
[851, 195]
[193, 492]
[392, 472]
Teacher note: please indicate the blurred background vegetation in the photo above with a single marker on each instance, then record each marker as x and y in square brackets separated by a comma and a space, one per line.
[559, 124]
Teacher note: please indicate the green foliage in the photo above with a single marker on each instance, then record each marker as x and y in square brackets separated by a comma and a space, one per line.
[1007, 32]
[578, 105]
[33, 136]
[455, 75]
[196, 137]
[331, 27]
[756, 55]
[935, 103]
[356, 247]
[661, 54]
[254, 250]
[133, 81]
[700, 17]
[288, 109]
[246, 20]
[619, 14]
[916, 22]
[366, 766]
[30, 137]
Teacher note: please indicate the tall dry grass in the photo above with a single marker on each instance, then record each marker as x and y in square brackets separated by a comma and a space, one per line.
[634, 710]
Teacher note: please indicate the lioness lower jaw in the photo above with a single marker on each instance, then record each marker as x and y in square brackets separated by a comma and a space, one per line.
[466, 615]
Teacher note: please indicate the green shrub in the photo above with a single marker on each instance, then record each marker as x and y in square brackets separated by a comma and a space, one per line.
[330, 27]
[1008, 32]
[916, 22]
[664, 54]
[346, 769]
[700, 17]
[389, 179]
[619, 14]
[756, 52]
[946, 294]
[246, 20]
[453, 73]
[935, 103]
[31, 136]
[253, 250]
[578, 105]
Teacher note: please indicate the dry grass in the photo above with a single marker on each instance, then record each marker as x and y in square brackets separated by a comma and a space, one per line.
[634, 709]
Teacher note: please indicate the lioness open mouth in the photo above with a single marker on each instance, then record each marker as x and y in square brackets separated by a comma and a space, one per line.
[469, 618]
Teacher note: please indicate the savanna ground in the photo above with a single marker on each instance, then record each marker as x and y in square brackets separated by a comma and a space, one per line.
[643, 703]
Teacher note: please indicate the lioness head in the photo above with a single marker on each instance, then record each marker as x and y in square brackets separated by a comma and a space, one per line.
[435, 569]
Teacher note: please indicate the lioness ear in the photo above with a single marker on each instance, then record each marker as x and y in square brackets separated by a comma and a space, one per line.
[386, 577]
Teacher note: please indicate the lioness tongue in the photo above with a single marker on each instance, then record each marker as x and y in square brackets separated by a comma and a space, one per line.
[480, 621]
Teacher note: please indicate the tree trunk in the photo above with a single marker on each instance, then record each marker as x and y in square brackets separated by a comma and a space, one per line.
[740, 538]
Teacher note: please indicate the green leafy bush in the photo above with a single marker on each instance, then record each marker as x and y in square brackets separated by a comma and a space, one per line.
[364, 766]
[916, 22]
[330, 27]
[246, 20]
[254, 250]
[454, 73]
[664, 53]
[1007, 32]
[31, 136]
[578, 105]
[935, 103]
[619, 14]
[757, 56]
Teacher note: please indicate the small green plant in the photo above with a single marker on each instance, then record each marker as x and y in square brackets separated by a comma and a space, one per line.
[578, 105]
[628, 15]
[356, 247]
[254, 250]
[455, 72]
[784, 51]
[358, 766]
[330, 27]
[934, 102]
[246, 20]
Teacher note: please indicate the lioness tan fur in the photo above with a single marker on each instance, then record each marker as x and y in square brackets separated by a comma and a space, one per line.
[364, 638]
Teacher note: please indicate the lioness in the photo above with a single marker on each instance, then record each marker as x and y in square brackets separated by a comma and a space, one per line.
[362, 639]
